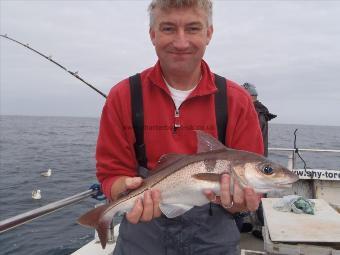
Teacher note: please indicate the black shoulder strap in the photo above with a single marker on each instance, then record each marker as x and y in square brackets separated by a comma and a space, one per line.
[221, 107]
[138, 118]
[221, 113]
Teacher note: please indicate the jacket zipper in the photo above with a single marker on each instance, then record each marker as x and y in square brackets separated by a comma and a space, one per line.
[177, 123]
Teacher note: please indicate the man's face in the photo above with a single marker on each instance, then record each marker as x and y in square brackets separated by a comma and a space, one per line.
[180, 37]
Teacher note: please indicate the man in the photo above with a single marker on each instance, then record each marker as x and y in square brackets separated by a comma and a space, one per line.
[264, 116]
[262, 112]
[178, 92]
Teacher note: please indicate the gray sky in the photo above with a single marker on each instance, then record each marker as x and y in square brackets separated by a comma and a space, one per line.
[289, 49]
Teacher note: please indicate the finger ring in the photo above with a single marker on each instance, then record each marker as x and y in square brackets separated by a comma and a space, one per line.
[228, 206]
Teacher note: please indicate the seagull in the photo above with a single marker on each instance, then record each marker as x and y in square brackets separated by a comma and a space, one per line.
[36, 194]
[47, 173]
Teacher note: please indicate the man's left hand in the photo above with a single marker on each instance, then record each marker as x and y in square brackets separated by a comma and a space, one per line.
[239, 200]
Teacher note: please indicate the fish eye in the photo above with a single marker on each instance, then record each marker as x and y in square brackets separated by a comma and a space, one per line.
[268, 170]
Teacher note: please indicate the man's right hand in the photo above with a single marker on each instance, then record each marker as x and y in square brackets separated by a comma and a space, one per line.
[144, 209]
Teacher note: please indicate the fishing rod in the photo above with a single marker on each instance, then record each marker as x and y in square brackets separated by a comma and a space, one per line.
[94, 190]
[74, 74]
[23, 218]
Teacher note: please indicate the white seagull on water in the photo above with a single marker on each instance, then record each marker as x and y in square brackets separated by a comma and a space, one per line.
[36, 194]
[47, 173]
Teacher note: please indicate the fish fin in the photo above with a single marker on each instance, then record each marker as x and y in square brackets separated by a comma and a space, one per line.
[91, 218]
[98, 218]
[206, 142]
[167, 160]
[211, 177]
[174, 210]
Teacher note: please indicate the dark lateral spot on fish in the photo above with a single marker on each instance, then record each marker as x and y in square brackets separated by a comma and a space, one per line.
[207, 177]
[210, 165]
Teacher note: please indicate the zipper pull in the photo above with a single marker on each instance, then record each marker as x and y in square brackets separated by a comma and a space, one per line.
[177, 122]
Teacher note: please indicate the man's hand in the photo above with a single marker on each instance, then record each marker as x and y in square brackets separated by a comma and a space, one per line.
[237, 201]
[144, 209]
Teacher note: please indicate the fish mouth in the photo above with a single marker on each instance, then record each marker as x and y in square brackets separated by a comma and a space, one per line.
[284, 185]
[274, 186]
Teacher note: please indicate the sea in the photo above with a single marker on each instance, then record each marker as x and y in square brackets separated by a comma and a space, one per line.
[66, 145]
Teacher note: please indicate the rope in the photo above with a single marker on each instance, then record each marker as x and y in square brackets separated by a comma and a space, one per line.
[297, 152]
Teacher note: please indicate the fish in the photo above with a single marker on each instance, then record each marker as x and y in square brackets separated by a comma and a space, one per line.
[182, 180]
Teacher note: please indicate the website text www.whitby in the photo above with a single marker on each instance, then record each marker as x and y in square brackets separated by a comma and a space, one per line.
[322, 174]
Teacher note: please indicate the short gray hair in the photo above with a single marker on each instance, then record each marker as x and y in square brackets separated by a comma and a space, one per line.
[206, 5]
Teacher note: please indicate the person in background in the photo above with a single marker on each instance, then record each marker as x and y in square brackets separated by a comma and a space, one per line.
[263, 114]
[255, 220]
[178, 92]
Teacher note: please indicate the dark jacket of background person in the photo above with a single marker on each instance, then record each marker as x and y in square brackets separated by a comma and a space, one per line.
[264, 116]
[262, 112]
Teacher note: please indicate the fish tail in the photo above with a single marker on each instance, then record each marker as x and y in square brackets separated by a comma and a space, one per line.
[102, 230]
[98, 219]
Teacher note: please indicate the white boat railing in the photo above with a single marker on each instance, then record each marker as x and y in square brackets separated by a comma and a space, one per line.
[310, 173]
[310, 150]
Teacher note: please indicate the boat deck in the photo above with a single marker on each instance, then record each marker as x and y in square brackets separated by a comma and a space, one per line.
[249, 242]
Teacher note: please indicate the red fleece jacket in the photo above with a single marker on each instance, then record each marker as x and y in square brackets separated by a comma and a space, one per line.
[115, 152]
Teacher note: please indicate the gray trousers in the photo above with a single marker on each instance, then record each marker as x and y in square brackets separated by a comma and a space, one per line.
[195, 232]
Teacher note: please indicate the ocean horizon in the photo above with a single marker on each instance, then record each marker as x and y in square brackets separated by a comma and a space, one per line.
[273, 122]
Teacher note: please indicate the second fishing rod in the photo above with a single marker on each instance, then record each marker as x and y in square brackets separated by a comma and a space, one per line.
[74, 74]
